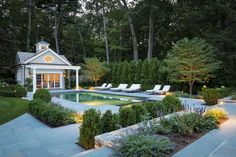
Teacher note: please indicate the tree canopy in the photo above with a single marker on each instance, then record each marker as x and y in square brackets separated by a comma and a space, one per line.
[119, 30]
[191, 61]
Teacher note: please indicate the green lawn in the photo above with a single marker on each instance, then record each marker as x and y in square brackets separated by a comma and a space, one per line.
[11, 108]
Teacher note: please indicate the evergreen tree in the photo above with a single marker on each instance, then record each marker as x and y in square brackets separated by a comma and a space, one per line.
[114, 72]
[132, 71]
[153, 71]
[138, 71]
[145, 73]
[125, 72]
[119, 72]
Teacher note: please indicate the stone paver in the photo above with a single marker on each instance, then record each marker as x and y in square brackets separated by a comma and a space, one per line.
[25, 136]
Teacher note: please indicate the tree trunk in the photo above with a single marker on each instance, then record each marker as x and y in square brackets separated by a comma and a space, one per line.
[131, 26]
[191, 88]
[29, 25]
[150, 38]
[82, 43]
[56, 34]
[105, 35]
[134, 38]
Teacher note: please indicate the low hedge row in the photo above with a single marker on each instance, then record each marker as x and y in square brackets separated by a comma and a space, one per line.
[7, 93]
[94, 124]
[13, 91]
[51, 114]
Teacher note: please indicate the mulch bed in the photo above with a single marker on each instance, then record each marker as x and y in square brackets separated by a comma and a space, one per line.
[181, 142]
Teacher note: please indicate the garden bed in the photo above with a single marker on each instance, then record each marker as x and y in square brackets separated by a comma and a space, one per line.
[180, 142]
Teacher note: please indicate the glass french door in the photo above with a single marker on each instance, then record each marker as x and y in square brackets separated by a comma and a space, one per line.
[48, 80]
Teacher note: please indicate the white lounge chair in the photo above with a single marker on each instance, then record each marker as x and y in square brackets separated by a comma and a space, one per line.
[107, 87]
[165, 89]
[119, 88]
[156, 88]
[102, 86]
[133, 88]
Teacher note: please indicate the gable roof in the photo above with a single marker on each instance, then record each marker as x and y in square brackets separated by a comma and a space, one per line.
[25, 57]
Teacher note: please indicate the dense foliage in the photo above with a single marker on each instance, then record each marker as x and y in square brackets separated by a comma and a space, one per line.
[51, 114]
[109, 122]
[211, 96]
[187, 124]
[43, 94]
[145, 146]
[140, 72]
[172, 103]
[191, 61]
[83, 36]
[94, 123]
[94, 69]
[90, 127]
[20, 91]
[12, 90]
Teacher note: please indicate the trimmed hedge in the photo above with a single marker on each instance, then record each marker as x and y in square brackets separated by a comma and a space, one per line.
[42, 94]
[13, 91]
[51, 114]
[7, 93]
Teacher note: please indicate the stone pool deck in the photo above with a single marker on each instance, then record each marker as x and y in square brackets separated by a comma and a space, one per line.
[25, 136]
[80, 108]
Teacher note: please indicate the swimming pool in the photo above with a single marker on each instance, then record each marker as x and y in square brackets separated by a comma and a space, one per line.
[97, 99]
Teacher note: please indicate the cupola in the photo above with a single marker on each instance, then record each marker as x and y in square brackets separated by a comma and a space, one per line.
[41, 45]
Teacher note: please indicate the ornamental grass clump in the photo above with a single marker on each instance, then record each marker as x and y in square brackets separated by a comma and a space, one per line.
[219, 113]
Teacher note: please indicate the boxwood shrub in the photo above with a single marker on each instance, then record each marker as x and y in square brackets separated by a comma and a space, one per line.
[90, 127]
[127, 116]
[43, 95]
[108, 122]
[51, 114]
[140, 112]
[211, 96]
[20, 91]
[155, 109]
[7, 93]
[172, 103]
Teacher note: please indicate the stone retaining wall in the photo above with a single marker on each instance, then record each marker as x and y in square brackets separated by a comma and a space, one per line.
[111, 139]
